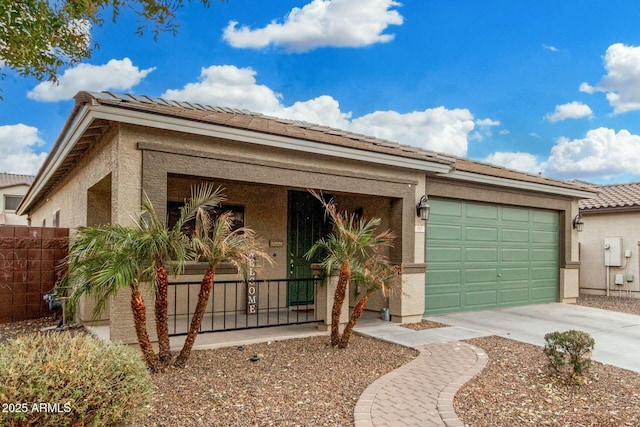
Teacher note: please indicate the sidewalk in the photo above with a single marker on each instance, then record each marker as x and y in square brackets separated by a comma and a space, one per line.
[421, 392]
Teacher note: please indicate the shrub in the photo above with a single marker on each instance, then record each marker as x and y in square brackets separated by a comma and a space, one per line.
[60, 379]
[569, 352]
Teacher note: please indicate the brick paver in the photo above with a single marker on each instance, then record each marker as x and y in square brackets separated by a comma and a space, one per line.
[421, 392]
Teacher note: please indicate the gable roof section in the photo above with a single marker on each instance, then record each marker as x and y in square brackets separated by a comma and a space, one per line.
[12, 180]
[93, 111]
[618, 197]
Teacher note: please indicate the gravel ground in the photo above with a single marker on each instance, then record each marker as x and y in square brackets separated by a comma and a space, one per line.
[305, 382]
[298, 382]
[516, 388]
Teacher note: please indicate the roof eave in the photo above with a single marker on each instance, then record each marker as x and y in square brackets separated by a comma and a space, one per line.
[177, 124]
[79, 119]
[520, 185]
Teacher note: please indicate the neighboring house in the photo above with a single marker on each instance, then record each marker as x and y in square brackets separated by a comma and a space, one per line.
[495, 237]
[609, 244]
[13, 187]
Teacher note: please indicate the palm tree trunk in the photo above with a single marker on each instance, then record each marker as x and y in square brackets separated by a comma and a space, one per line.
[161, 313]
[355, 315]
[338, 300]
[196, 320]
[140, 321]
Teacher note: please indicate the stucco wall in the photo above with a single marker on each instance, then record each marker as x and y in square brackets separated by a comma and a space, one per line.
[593, 273]
[70, 195]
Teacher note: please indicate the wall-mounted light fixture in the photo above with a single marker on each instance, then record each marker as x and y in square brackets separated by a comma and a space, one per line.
[423, 208]
[578, 224]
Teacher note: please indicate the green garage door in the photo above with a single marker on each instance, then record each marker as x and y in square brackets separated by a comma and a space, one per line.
[482, 256]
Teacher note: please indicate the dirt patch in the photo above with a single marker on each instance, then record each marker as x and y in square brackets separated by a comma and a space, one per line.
[517, 389]
[424, 324]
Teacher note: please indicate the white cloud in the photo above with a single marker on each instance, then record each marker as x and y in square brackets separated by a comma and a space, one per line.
[438, 129]
[340, 23]
[488, 122]
[572, 110]
[550, 48]
[524, 162]
[602, 152]
[504, 132]
[116, 74]
[621, 84]
[17, 149]
[323, 110]
[229, 86]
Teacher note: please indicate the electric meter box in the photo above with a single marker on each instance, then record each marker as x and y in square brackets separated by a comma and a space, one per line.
[613, 251]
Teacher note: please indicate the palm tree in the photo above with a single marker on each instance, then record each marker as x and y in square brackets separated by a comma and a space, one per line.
[376, 275]
[105, 259]
[101, 262]
[215, 241]
[164, 244]
[351, 237]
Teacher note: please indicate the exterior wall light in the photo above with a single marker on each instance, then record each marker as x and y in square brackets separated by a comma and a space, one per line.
[578, 224]
[423, 209]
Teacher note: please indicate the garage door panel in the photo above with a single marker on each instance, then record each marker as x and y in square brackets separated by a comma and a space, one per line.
[515, 273]
[444, 232]
[443, 254]
[545, 273]
[548, 237]
[477, 211]
[515, 296]
[443, 303]
[514, 255]
[447, 277]
[545, 217]
[495, 256]
[515, 236]
[480, 275]
[446, 211]
[543, 294]
[481, 254]
[481, 234]
[545, 254]
[515, 214]
[480, 299]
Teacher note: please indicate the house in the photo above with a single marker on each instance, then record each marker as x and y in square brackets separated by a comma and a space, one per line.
[609, 244]
[12, 188]
[494, 238]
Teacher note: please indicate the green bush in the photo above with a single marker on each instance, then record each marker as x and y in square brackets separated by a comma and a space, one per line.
[61, 379]
[569, 352]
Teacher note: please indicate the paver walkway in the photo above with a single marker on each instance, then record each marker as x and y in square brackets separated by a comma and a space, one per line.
[421, 392]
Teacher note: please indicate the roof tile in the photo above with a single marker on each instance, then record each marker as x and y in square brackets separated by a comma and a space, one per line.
[625, 195]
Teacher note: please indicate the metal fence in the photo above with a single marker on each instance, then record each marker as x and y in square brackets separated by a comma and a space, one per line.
[239, 304]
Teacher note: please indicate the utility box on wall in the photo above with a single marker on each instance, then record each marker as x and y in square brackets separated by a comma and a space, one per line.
[613, 251]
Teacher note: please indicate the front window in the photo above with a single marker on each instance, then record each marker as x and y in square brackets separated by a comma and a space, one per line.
[11, 203]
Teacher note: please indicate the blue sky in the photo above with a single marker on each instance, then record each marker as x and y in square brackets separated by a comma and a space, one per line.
[544, 87]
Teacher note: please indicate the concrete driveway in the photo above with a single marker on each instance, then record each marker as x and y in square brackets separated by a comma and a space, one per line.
[617, 335]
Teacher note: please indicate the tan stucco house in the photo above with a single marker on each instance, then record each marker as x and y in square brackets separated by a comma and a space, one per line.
[494, 238]
[609, 244]
[13, 187]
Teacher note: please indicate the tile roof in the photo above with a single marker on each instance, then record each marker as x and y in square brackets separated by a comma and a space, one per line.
[11, 179]
[244, 119]
[614, 196]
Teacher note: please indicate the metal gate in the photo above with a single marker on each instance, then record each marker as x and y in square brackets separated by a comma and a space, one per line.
[239, 304]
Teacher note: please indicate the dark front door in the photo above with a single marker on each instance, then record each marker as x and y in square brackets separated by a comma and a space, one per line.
[307, 223]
